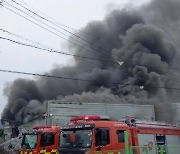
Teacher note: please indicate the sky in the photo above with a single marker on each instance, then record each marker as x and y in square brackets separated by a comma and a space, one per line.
[75, 14]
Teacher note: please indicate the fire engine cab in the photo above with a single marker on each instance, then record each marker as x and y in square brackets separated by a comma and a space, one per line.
[100, 135]
[41, 140]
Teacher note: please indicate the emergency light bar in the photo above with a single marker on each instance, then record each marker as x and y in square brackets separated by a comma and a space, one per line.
[90, 117]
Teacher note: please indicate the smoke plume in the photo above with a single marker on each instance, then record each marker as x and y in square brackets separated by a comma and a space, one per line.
[144, 39]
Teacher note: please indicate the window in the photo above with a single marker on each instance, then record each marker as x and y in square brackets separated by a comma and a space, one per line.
[76, 138]
[102, 137]
[120, 134]
[29, 141]
[161, 140]
[47, 139]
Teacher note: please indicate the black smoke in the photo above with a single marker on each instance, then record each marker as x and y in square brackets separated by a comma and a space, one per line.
[143, 38]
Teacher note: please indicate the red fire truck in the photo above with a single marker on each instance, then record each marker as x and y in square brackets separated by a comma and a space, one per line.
[100, 135]
[41, 140]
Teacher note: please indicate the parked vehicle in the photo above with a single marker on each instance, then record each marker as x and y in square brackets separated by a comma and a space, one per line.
[100, 135]
[41, 140]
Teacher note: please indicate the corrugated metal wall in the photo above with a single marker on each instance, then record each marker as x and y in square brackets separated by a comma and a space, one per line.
[60, 112]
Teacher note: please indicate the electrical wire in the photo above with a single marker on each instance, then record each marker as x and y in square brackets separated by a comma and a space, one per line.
[85, 46]
[23, 38]
[56, 24]
[68, 78]
[51, 76]
[54, 50]
[76, 79]
[84, 34]
[59, 26]
[50, 49]
[50, 30]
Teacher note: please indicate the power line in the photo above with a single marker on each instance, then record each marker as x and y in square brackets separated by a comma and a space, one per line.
[61, 52]
[49, 49]
[51, 31]
[43, 75]
[54, 50]
[57, 22]
[63, 38]
[48, 30]
[85, 45]
[23, 38]
[50, 76]
[34, 17]
[59, 26]
[49, 21]
[44, 47]
[68, 78]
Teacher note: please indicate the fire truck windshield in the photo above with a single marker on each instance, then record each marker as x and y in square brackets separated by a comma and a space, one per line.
[77, 138]
[29, 141]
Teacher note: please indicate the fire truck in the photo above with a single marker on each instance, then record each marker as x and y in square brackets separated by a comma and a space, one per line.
[100, 135]
[41, 140]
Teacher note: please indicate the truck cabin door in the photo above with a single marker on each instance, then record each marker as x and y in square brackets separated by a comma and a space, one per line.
[47, 141]
[102, 138]
[121, 140]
